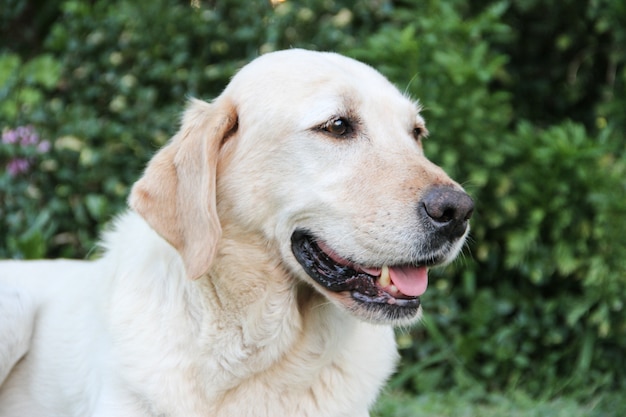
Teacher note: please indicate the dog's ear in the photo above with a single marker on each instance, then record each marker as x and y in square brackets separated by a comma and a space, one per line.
[177, 193]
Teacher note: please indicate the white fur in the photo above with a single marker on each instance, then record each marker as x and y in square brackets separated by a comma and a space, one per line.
[131, 335]
[250, 334]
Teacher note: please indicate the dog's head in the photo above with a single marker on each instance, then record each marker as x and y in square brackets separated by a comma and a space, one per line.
[322, 157]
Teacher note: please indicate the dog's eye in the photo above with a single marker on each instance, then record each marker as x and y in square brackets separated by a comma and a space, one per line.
[419, 133]
[338, 127]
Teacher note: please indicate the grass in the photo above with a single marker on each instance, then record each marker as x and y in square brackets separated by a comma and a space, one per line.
[515, 404]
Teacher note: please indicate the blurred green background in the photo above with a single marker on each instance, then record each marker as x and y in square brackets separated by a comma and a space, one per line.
[526, 104]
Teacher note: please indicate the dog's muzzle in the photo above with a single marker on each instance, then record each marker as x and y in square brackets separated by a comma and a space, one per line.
[389, 292]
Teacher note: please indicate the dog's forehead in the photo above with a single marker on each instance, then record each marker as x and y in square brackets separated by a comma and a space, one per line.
[322, 84]
[300, 65]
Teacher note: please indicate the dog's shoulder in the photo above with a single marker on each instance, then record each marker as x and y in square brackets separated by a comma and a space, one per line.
[17, 310]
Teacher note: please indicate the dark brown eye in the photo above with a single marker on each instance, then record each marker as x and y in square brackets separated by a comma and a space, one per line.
[338, 127]
[420, 132]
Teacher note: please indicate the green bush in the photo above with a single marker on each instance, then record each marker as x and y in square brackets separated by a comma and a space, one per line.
[541, 306]
[537, 300]
[110, 84]
[534, 303]
[565, 58]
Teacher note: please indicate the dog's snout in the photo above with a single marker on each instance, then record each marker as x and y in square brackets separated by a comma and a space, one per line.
[448, 210]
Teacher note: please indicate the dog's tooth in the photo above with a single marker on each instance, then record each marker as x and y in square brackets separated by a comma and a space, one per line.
[385, 278]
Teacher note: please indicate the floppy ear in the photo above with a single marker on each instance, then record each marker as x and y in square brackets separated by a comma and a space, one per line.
[177, 193]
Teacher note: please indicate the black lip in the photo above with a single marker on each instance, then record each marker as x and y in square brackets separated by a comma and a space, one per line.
[339, 278]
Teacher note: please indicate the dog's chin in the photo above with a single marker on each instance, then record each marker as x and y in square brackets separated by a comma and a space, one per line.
[376, 312]
[377, 294]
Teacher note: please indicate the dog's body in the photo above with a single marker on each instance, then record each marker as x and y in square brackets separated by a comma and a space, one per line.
[303, 152]
[131, 335]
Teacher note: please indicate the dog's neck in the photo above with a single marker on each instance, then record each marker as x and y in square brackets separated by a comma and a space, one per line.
[267, 307]
[240, 329]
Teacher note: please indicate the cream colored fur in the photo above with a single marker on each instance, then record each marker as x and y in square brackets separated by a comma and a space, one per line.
[197, 306]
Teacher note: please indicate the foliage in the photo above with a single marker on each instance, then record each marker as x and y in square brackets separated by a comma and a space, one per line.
[21, 150]
[475, 403]
[109, 86]
[566, 58]
[547, 282]
[540, 302]
[535, 303]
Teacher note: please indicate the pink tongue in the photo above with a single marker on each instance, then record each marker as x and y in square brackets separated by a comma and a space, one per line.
[410, 281]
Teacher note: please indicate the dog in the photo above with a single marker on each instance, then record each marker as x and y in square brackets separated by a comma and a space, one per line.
[268, 250]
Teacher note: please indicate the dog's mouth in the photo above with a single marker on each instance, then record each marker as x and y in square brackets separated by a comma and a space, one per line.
[397, 286]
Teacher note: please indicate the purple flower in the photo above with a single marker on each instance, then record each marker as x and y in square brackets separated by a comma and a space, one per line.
[43, 147]
[25, 135]
[9, 137]
[27, 141]
[17, 166]
[28, 135]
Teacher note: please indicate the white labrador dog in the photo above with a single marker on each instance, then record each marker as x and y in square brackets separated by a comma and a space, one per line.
[268, 250]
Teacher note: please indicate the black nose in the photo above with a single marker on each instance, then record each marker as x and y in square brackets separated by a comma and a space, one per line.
[448, 210]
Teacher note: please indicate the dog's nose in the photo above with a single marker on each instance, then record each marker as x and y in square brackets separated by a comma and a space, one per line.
[448, 210]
